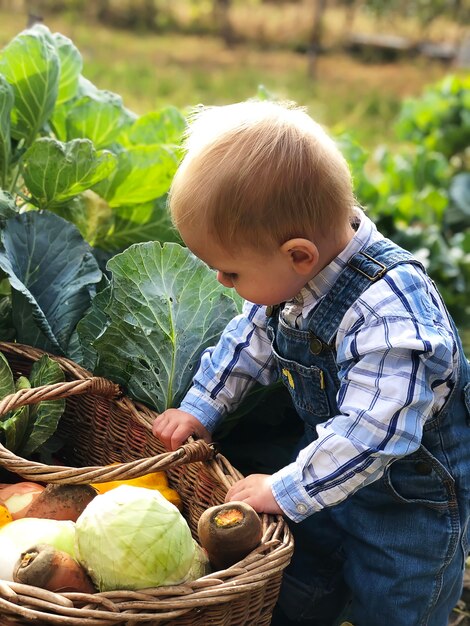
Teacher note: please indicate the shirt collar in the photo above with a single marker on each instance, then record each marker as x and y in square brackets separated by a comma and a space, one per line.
[315, 289]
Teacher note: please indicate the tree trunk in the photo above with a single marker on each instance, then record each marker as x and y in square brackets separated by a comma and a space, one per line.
[149, 14]
[35, 10]
[102, 10]
[222, 20]
[315, 36]
[350, 11]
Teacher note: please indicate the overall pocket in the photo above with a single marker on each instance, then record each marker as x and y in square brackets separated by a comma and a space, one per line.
[420, 479]
[306, 385]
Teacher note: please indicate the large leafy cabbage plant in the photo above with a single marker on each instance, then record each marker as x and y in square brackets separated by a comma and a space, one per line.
[82, 178]
[71, 148]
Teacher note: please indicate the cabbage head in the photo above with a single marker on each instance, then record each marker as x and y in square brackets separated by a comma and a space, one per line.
[132, 538]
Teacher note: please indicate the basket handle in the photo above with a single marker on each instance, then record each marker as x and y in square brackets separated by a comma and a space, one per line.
[197, 450]
[95, 384]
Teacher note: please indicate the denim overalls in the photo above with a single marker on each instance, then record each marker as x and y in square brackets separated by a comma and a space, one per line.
[398, 546]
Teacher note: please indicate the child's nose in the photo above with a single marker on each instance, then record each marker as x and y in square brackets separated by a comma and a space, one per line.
[224, 279]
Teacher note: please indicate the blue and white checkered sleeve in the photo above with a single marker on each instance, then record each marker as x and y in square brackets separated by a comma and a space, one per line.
[228, 370]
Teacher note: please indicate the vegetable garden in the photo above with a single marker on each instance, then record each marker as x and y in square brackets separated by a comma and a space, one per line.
[92, 269]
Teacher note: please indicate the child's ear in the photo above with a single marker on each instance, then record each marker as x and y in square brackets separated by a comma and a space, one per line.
[302, 254]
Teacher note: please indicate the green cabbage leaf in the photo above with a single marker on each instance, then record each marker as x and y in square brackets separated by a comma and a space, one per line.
[53, 276]
[147, 329]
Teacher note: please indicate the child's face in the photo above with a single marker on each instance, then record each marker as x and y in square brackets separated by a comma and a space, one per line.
[259, 277]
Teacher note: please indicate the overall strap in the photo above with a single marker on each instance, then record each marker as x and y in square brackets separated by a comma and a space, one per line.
[362, 270]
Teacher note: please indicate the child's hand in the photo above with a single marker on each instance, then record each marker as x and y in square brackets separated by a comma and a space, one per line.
[173, 427]
[256, 491]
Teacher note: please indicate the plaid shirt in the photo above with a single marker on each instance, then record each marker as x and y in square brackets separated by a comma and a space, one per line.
[391, 363]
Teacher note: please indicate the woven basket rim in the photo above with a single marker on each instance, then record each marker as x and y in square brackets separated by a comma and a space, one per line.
[86, 382]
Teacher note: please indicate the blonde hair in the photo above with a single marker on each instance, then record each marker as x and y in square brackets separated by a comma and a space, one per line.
[258, 173]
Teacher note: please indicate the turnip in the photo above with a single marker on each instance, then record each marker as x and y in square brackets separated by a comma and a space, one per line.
[19, 535]
[51, 569]
[61, 502]
[229, 532]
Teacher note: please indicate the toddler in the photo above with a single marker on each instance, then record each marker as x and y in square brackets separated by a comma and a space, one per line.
[378, 492]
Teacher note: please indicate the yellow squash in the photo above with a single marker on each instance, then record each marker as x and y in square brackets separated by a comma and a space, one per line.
[5, 515]
[155, 480]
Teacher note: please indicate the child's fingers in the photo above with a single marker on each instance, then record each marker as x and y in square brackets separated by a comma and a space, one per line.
[159, 424]
[254, 490]
[238, 491]
[180, 435]
[173, 427]
[163, 428]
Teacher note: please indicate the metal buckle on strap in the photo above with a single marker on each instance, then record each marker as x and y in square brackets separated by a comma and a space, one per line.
[379, 274]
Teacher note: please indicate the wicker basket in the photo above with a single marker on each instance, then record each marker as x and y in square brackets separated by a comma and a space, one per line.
[102, 427]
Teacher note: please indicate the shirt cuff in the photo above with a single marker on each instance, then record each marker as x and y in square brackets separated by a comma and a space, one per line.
[286, 485]
[206, 410]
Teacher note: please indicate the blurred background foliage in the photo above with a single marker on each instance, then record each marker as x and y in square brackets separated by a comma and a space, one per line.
[157, 52]
[389, 78]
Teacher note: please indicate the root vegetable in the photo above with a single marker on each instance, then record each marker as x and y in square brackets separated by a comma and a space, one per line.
[19, 497]
[61, 502]
[44, 566]
[19, 535]
[229, 532]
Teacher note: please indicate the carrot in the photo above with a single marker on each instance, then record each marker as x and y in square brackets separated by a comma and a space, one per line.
[229, 532]
[61, 502]
[44, 566]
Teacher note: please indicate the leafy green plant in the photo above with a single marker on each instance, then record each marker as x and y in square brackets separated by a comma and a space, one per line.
[53, 276]
[83, 178]
[148, 328]
[26, 429]
[67, 146]
[440, 118]
[419, 193]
